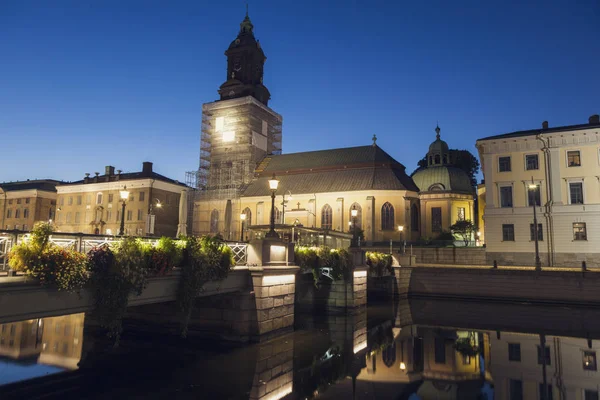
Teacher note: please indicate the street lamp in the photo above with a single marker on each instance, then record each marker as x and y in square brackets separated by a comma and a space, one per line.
[273, 184]
[242, 219]
[532, 188]
[124, 194]
[401, 230]
[354, 214]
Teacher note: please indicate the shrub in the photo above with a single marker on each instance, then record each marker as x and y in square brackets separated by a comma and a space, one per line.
[164, 257]
[378, 262]
[316, 258]
[446, 236]
[52, 265]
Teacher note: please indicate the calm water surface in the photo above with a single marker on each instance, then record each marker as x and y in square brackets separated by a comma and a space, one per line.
[417, 349]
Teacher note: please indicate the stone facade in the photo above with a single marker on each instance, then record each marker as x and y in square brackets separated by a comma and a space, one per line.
[274, 374]
[22, 204]
[563, 164]
[274, 292]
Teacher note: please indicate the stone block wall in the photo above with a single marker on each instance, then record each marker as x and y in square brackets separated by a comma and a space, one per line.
[572, 260]
[274, 291]
[274, 374]
[442, 255]
[380, 287]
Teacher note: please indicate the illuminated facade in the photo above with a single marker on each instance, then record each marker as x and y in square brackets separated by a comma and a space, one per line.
[22, 204]
[563, 166]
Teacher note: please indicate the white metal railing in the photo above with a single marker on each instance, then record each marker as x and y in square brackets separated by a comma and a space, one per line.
[84, 243]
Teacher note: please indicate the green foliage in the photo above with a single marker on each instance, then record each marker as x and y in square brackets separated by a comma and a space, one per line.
[464, 229]
[445, 236]
[164, 257]
[52, 265]
[467, 346]
[315, 258]
[117, 273]
[378, 262]
[203, 260]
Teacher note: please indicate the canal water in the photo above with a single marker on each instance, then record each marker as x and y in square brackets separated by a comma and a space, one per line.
[410, 349]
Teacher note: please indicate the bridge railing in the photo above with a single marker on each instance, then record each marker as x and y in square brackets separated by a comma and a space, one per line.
[85, 242]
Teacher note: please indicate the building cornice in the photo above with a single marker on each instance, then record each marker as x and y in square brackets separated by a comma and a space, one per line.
[118, 185]
[223, 104]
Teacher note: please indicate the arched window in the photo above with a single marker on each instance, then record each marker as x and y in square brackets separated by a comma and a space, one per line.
[248, 214]
[358, 215]
[214, 221]
[436, 187]
[430, 160]
[387, 217]
[414, 218]
[389, 355]
[437, 159]
[445, 158]
[277, 216]
[326, 217]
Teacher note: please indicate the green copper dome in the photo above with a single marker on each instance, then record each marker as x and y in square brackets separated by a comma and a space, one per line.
[443, 178]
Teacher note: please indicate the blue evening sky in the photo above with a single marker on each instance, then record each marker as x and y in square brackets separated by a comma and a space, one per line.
[84, 84]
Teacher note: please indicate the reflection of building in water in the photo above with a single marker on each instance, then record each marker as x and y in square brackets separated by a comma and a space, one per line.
[571, 366]
[54, 341]
[427, 361]
[273, 377]
[19, 340]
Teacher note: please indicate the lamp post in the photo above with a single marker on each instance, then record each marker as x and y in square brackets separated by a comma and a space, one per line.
[284, 205]
[124, 194]
[532, 188]
[354, 214]
[401, 230]
[242, 219]
[273, 184]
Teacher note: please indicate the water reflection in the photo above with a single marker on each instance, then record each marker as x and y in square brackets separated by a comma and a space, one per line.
[396, 352]
[27, 346]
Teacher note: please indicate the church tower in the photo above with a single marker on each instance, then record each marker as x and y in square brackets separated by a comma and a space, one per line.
[238, 131]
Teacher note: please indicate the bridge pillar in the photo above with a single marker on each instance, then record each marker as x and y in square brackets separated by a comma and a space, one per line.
[273, 376]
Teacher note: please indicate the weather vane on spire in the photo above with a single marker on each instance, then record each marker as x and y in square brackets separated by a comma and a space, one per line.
[437, 130]
[374, 140]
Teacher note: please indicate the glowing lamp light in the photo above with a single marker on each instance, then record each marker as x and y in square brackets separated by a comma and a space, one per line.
[273, 183]
[359, 274]
[532, 186]
[478, 233]
[402, 366]
[400, 228]
[124, 193]
[354, 212]
[359, 347]
[158, 204]
[243, 217]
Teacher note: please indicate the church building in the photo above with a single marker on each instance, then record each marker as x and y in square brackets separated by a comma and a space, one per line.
[241, 150]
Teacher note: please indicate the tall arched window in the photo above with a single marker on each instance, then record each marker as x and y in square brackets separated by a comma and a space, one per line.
[214, 221]
[277, 216]
[387, 217]
[326, 217]
[248, 214]
[414, 218]
[358, 215]
[437, 159]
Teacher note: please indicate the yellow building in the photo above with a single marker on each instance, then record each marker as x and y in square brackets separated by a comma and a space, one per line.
[24, 203]
[445, 191]
[93, 205]
[562, 165]
[318, 189]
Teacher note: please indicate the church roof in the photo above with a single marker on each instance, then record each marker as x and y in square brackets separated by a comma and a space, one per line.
[335, 170]
[447, 179]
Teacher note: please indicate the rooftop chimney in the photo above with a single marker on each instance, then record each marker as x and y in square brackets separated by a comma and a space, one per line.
[119, 173]
[147, 167]
[109, 170]
[594, 119]
[545, 125]
[87, 177]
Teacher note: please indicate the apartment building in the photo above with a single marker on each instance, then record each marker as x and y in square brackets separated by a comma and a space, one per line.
[24, 203]
[555, 169]
[93, 205]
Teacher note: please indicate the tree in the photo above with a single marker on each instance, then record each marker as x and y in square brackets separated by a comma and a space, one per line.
[464, 229]
[462, 159]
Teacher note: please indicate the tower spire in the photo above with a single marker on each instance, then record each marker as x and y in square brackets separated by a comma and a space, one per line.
[437, 131]
[247, 10]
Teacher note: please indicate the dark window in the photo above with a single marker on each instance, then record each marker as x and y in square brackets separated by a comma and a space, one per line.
[589, 361]
[461, 213]
[506, 199]
[326, 217]
[514, 352]
[414, 218]
[26, 213]
[540, 233]
[579, 231]
[18, 213]
[387, 217]
[548, 394]
[504, 164]
[436, 219]
[142, 196]
[9, 213]
[110, 198]
[248, 214]
[10, 201]
[516, 390]
[277, 215]
[18, 201]
[547, 355]
[440, 350]
[129, 215]
[533, 196]
[576, 192]
[27, 200]
[531, 162]
[590, 395]
[437, 158]
[466, 359]
[573, 158]
[508, 233]
[214, 221]
[140, 215]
